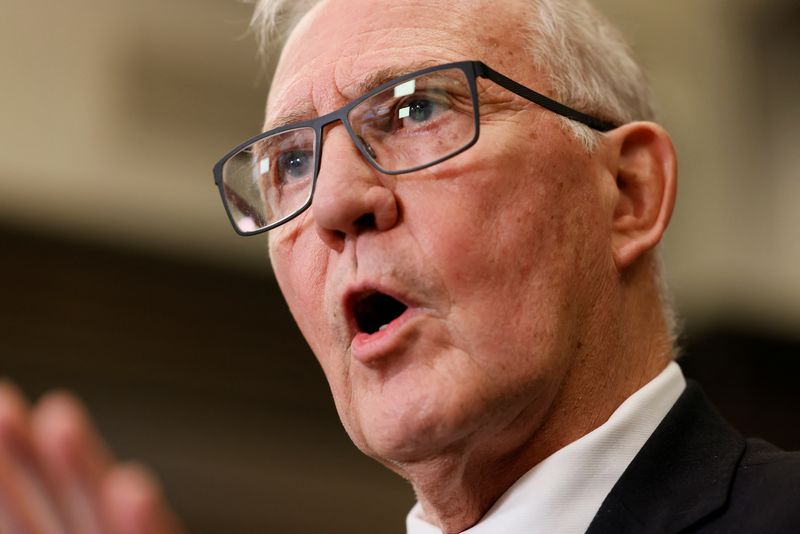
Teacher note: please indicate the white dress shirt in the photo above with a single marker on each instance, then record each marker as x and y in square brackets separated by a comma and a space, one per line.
[563, 492]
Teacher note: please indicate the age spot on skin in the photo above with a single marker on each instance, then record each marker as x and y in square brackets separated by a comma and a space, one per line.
[491, 42]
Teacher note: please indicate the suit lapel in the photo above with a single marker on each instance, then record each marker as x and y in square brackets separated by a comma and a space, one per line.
[682, 474]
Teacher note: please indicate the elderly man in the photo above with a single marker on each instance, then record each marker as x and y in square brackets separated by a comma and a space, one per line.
[464, 201]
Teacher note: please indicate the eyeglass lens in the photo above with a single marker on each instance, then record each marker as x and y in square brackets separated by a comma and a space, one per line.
[408, 126]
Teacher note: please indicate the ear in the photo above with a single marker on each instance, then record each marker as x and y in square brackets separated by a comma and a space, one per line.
[645, 166]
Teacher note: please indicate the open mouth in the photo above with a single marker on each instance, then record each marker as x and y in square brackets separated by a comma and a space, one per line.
[374, 311]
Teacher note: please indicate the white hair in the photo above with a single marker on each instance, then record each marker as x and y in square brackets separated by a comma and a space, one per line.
[588, 63]
[586, 60]
[273, 20]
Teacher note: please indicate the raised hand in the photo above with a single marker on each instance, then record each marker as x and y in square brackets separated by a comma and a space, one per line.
[57, 476]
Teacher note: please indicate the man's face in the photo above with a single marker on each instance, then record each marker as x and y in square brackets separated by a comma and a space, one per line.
[497, 253]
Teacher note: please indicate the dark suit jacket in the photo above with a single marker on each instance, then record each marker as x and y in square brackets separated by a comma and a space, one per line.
[697, 474]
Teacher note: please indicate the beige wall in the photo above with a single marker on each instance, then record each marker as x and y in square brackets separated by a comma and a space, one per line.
[113, 113]
[722, 72]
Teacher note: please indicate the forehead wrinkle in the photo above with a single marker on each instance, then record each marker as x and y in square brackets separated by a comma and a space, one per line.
[378, 77]
[361, 62]
[305, 97]
[378, 53]
[370, 81]
[353, 81]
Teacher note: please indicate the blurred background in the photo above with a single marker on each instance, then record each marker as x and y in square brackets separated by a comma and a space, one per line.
[123, 281]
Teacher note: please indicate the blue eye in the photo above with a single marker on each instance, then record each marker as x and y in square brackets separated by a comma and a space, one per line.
[294, 165]
[421, 110]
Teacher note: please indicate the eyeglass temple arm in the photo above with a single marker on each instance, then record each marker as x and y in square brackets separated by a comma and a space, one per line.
[485, 71]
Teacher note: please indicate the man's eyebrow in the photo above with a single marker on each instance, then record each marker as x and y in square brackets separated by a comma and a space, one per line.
[302, 113]
[353, 91]
[381, 76]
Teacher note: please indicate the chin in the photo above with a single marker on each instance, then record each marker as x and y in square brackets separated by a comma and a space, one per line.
[413, 432]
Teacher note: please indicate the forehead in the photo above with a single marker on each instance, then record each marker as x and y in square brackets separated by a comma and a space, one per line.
[340, 42]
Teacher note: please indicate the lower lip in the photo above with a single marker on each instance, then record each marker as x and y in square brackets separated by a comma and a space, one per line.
[369, 348]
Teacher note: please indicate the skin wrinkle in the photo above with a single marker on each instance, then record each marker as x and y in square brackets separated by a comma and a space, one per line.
[506, 246]
[497, 101]
[394, 274]
[345, 92]
[342, 73]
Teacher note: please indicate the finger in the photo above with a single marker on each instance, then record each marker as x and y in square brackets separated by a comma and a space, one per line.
[135, 503]
[26, 505]
[75, 459]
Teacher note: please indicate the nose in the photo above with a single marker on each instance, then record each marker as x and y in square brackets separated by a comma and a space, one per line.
[350, 196]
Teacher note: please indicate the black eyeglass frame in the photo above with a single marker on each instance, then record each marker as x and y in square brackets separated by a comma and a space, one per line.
[471, 69]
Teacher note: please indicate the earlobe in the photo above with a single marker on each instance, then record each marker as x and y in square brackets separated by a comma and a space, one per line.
[646, 181]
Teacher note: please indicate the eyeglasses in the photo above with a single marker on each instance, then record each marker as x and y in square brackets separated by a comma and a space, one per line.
[407, 124]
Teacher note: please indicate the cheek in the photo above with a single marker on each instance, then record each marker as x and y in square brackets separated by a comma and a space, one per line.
[508, 237]
[300, 264]
[493, 224]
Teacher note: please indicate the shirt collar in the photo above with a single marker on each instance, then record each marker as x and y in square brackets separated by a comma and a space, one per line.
[563, 492]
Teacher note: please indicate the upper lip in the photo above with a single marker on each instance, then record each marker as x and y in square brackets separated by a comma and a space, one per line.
[358, 294]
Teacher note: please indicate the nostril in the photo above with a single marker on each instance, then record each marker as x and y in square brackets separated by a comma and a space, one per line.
[365, 222]
[350, 198]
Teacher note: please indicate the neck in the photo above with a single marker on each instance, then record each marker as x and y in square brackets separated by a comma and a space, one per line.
[458, 487]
